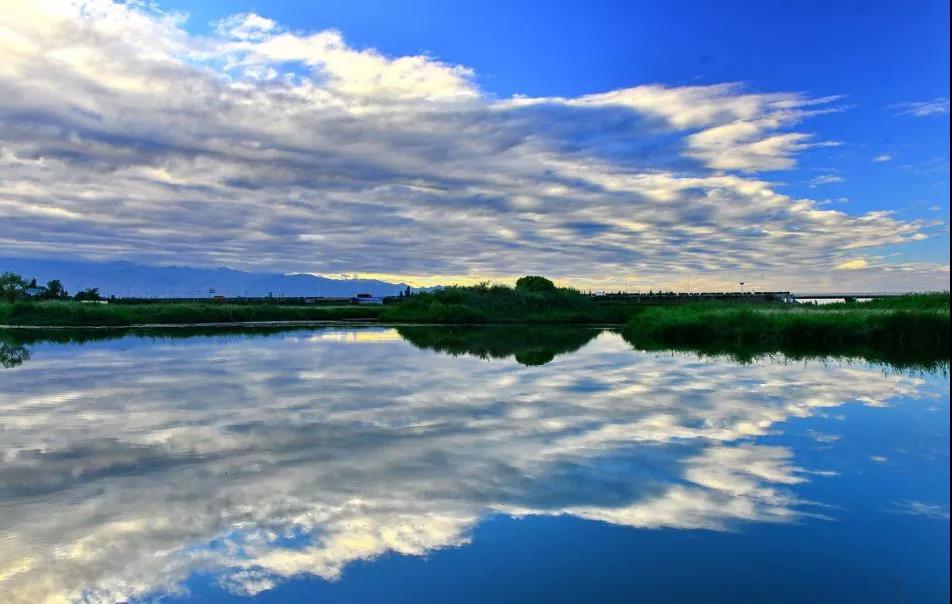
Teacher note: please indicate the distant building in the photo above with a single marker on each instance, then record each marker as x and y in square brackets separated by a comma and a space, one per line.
[34, 292]
[367, 299]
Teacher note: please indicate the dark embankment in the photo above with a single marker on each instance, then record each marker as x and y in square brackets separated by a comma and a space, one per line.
[500, 304]
[908, 331]
[531, 345]
[57, 313]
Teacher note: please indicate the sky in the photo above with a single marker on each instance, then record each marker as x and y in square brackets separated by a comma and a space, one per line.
[610, 145]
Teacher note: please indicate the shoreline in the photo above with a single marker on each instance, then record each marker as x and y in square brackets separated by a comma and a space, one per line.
[303, 323]
[915, 326]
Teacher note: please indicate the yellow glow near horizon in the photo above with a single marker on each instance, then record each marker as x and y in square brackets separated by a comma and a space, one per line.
[632, 283]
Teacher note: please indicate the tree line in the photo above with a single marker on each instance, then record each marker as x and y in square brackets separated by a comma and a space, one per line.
[14, 287]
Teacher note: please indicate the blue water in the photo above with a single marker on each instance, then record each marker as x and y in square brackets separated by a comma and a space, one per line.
[350, 465]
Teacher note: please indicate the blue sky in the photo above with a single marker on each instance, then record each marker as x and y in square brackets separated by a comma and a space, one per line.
[871, 120]
[876, 54]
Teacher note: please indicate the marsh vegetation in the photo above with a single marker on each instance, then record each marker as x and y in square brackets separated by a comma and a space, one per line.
[57, 314]
[914, 326]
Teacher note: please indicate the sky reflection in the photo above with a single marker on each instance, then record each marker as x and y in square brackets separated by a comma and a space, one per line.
[130, 465]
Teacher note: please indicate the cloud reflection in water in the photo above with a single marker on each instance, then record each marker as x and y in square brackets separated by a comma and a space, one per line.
[143, 462]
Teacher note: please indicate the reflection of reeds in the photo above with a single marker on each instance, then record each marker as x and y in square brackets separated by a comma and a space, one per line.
[80, 335]
[12, 355]
[529, 345]
[14, 343]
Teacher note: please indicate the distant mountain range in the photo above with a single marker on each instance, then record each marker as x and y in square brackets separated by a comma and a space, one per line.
[137, 280]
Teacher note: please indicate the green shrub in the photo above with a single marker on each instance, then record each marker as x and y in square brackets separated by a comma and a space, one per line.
[535, 283]
[500, 304]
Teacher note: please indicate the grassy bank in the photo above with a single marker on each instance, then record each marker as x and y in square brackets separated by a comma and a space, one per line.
[910, 327]
[500, 304]
[56, 313]
[907, 326]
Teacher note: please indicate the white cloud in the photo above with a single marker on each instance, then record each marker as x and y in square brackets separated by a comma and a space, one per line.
[934, 511]
[882, 157]
[937, 106]
[363, 78]
[123, 136]
[246, 26]
[825, 179]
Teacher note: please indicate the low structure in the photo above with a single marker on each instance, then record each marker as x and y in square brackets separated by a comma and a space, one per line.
[367, 299]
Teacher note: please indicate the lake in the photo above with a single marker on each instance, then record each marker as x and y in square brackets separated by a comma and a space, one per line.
[440, 464]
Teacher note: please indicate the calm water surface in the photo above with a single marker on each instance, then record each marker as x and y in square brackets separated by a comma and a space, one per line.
[441, 465]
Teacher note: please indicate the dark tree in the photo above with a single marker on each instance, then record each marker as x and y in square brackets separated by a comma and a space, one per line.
[90, 293]
[55, 290]
[11, 286]
[535, 283]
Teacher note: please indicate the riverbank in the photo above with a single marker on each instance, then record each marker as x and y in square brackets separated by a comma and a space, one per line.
[913, 324]
[906, 327]
[78, 314]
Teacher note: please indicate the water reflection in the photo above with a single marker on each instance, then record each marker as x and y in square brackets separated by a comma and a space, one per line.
[129, 465]
[529, 346]
[12, 354]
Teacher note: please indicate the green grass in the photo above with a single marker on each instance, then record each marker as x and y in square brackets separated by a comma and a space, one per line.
[79, 314]
[914, 327]
[500, 304]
